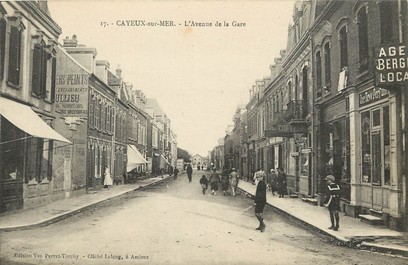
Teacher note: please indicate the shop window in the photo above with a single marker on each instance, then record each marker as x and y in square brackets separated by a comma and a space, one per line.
[375, 140]
[387, 147]
[11, 151]
[376, 118]
[366, 146]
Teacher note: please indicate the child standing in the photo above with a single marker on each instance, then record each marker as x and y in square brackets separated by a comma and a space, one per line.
[204, 183]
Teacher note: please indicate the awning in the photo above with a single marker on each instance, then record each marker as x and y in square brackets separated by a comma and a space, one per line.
[134, 158]
[27, 120]
[163, 161]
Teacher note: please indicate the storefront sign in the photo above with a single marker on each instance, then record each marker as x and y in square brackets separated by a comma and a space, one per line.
[372, 95]
[391, 65]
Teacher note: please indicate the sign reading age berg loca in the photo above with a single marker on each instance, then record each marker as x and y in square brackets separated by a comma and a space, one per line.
[391, 65]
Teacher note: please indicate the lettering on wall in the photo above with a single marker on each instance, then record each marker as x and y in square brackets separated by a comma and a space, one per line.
[391, 65]
[71, 95]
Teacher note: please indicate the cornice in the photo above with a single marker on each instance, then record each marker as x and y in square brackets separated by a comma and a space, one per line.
[41, 17]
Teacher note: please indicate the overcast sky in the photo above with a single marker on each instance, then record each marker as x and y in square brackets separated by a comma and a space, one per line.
[199, 75]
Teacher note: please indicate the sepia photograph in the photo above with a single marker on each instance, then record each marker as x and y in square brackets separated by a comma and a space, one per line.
[203, 132]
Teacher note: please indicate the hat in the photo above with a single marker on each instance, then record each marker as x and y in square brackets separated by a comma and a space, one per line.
[233, 169]
[330, 177]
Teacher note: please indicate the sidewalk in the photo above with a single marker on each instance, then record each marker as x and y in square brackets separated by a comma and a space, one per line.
[58, 210]
[352, 231]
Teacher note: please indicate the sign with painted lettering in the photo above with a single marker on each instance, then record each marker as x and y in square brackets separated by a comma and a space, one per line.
[391, 65]
[71, 94]
[372, 95]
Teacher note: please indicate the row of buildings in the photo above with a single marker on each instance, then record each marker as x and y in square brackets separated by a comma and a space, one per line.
[66, 117]
[334, 103]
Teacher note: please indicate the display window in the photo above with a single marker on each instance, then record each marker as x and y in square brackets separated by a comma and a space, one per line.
[375, 146]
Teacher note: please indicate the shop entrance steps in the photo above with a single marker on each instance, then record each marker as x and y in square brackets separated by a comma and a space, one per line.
[375, 217]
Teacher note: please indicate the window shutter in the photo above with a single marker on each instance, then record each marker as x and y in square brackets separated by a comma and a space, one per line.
[53, 78]
[14, 56]
[2, 46]
[36, 77]
[44, 59]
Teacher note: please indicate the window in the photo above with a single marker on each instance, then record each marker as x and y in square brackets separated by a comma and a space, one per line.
[343, 48]
[389, 23]
[363, 38]
[375, 139]
[11, 151]
[327, 67]
[318, 75]
[39, 73]
[14, 56]
[2, 46]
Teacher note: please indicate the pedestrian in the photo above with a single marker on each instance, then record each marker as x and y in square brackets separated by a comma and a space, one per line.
[260, 201]
[234, 179]
[189, 172]
[225, 182]
[214, 180]
[204, 183]
[107, 178]
[282, 187]
[332, 201]
[175, 172]
[272, 181]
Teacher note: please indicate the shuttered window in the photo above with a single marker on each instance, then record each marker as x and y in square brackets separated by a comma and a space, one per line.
[14, 56]
[39, 73]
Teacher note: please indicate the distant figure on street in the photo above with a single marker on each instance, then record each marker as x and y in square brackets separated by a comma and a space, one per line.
[225, 182]
[282, 187]
[214, 180]
[189, 172]
[107, 178]
[260, 201]
[233, 179]
[175, 172]
[332, 201]
[204, 184]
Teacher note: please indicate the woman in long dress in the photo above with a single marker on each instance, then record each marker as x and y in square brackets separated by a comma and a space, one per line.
[107, 180]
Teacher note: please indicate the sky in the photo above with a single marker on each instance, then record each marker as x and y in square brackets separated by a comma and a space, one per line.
[198, 74]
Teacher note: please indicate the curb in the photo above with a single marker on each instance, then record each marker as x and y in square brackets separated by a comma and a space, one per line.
[60, 217]
[342, 241]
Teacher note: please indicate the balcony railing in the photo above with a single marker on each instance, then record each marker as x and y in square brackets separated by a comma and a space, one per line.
[296, 111]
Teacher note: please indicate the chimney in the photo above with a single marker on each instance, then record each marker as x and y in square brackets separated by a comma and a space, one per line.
[71, 42]
[273, 71]
[119, 71]
[84, 55]
[101, 70]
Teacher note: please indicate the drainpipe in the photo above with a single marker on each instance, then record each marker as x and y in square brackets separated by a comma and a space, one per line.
[313, 138]
[404, 122]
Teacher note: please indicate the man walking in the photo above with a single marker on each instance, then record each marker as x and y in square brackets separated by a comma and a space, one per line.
[260, 200]
[189, 172]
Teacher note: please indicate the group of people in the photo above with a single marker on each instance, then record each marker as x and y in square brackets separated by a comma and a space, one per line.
[227, 180]
[275, 181]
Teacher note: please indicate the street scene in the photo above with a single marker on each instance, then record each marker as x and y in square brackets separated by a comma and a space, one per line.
[204, 132]
[174, 223]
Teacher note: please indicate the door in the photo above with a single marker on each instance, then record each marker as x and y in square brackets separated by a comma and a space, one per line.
[376, 194]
